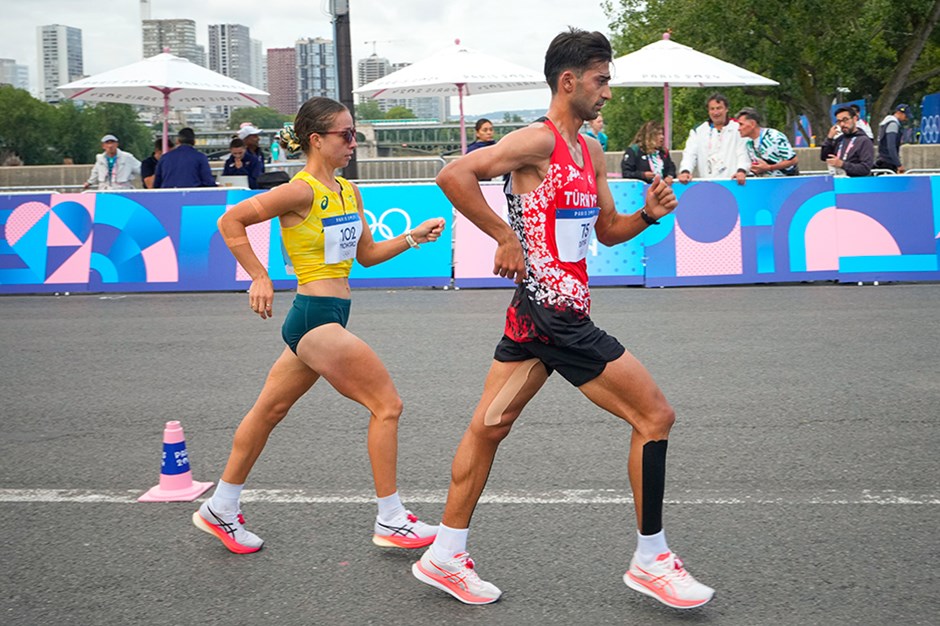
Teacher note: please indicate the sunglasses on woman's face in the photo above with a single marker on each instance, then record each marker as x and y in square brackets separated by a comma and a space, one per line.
[348, 134]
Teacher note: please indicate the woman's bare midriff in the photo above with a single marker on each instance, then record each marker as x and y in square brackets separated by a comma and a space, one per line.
[327, 287]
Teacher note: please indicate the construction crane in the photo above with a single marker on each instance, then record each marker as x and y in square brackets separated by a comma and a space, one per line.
[375, 41]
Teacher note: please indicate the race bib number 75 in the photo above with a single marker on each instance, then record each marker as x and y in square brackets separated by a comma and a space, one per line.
[573, 232]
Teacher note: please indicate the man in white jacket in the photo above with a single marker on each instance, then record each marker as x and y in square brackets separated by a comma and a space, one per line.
[715, 148]
[113, 168]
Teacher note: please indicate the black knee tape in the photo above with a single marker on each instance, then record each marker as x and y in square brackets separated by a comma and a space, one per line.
[654, 485]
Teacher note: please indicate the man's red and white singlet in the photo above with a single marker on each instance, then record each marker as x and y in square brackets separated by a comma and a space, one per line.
[554, 222]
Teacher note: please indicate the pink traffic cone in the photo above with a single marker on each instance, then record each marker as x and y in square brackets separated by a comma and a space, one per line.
[176, 479]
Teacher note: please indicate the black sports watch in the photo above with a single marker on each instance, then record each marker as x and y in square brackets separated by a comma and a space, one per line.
[647, 218]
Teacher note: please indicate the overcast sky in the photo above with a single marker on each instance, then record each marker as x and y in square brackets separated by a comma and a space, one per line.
[403, 30]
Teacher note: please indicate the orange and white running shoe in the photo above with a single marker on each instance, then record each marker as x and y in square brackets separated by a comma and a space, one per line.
[458, 577]
[229, 529]
[405, 532]
[669, 582]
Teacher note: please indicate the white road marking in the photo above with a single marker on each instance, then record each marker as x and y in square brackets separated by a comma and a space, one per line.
[561, 496]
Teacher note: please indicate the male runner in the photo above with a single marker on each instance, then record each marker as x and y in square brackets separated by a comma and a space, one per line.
[557, 193]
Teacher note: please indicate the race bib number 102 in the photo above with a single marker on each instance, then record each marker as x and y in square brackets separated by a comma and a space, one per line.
[340, 237]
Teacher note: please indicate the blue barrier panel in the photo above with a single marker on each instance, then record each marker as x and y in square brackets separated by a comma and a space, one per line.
[168, 241]
[887, 228]
[725, 233]
[390, 210]
[622, 264]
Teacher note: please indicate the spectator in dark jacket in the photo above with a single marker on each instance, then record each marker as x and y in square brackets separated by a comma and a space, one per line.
[148, 167]
[242, 163]
[889, 139]
[646, 157]
[851, 153]
[184, 166]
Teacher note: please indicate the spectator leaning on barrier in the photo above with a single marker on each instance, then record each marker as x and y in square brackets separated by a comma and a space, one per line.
[646, 157]
[768, 149]
[148, 167]
[242, 163]
[113, 168]
[889, 139]
[184, 166]
[847, 150]
[714, 148]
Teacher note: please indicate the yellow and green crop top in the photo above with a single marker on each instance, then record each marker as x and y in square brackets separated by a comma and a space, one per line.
[324, 244]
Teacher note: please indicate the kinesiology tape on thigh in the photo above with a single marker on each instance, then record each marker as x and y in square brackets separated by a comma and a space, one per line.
[494, 412]
[654, 486]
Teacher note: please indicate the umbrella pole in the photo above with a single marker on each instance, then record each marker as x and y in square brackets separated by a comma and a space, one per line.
[166, 115]
[463, 131]
[667, 116]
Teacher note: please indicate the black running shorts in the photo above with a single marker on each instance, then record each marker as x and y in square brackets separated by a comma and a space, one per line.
[579, 361]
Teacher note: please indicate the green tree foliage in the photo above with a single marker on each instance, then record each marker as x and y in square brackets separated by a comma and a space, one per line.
[400, 113]
[881, 50]
[260, 117]
[42, 134]
[369, 110]
[28, 127]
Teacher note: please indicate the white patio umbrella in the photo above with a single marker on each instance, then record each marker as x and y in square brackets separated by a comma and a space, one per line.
[668, 64]
[454, 71]
[164, 80]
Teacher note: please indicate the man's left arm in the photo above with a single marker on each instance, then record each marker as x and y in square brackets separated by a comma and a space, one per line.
[862, 159]
[612, 227]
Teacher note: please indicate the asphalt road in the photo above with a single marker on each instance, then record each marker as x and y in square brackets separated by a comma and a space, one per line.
[802, 480]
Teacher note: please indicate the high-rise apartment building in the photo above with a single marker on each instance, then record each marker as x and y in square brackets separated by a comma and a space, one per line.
[372, 68]
[376, 67]
[12, 73]
[230, 51]
[259, 77]
[316, 69]
[178, 36]
[59, 57]
[282, 80]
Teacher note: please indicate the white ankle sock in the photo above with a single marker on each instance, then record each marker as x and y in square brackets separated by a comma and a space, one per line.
[225, 498]
[648, 547]
[449, 543]
[390, 507]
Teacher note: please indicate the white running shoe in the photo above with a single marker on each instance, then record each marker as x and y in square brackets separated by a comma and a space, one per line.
[406, 531]
[458, 577]
[668, 581]
[229, 529]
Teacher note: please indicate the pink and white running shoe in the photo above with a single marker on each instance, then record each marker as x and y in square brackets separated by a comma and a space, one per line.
[229, 529]
[668, 581]
[458, 577]
[406, 531]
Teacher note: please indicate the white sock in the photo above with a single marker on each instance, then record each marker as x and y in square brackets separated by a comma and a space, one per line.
[449, 543]
[390, 507]
[225, 498]
[648, 547]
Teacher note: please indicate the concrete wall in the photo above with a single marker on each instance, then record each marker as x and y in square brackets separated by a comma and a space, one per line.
[61, 176]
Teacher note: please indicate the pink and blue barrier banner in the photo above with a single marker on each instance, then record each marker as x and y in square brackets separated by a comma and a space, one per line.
[769, 230]
[168, 241]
